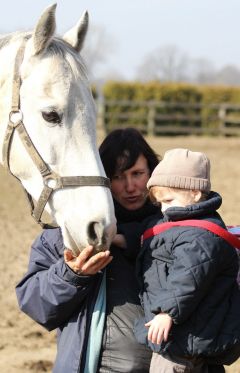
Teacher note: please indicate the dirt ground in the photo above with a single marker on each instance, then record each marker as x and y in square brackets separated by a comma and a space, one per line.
[26, 347]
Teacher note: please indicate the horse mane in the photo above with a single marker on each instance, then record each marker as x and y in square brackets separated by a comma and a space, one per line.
[6, 39]
[57, 47]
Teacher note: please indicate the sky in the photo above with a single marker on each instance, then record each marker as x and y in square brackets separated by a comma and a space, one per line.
[200, 28]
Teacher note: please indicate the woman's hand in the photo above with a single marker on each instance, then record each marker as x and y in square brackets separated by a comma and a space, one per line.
[86, 263]
[159, 328]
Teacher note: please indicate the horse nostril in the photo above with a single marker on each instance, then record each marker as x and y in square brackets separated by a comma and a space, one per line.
[96, 235]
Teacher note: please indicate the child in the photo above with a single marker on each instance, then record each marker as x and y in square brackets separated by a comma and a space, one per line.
[188, 274]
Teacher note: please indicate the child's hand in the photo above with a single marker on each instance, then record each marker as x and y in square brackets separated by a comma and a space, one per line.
[119, 240]
[159, 328]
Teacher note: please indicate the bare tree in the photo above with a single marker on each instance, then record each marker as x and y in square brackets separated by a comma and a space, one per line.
[202, 71]
[97, 48]
[229, 75]
[166, 63]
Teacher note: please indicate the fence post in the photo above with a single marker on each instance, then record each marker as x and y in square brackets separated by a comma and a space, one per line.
[222, 111]
[151, 119]
[101, 125]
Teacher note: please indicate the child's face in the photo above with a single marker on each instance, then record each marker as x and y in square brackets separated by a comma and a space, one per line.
[172, 197]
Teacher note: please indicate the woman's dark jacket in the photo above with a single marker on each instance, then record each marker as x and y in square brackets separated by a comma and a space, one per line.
[190, 273]
[54, 296]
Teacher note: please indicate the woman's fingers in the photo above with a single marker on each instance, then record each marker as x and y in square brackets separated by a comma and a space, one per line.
[93, 264]
[101, 264]
[84, 255]
[97, 262]
[86, 263]
[68, 255]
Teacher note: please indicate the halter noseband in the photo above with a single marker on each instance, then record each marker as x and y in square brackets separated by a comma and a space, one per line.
[51, 180]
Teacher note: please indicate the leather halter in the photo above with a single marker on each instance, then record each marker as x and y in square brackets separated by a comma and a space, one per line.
[51, 180]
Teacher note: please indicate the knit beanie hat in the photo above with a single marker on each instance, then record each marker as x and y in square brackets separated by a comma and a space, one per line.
[183, 169]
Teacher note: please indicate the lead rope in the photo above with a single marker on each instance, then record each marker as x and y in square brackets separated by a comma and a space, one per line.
[96, 329]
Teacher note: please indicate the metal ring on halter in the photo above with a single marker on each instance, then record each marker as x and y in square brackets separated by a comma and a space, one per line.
[15, 117]
[53, 181]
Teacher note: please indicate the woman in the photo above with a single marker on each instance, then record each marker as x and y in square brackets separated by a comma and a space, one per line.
[60, 291]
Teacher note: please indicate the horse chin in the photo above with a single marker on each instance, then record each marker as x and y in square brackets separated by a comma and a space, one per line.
[99, 248]
[96, 250]
[99, 244]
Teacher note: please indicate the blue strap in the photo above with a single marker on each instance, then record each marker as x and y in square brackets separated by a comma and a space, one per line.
[96, 330]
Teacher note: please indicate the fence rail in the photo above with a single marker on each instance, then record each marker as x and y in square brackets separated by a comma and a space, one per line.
[157, 117]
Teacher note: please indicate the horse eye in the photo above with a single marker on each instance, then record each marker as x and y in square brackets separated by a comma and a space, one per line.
[52, 117]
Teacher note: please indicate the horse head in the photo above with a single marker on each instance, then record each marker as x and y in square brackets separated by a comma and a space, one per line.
[48, 134]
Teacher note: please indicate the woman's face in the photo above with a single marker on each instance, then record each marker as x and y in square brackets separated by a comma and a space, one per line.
[129, 187]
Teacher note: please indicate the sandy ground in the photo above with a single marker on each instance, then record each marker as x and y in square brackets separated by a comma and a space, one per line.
[24, 345]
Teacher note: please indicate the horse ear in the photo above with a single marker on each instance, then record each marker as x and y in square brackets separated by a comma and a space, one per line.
[76, 35]
[44, 30]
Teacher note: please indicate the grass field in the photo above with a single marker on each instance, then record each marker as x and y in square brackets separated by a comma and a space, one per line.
[26, 347]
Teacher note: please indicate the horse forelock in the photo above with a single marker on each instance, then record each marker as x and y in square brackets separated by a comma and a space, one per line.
[59, 48]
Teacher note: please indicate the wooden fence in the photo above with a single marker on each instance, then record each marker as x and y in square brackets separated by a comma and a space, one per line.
[162, 118]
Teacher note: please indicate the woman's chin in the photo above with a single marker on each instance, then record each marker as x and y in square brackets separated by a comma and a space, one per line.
[133, 205]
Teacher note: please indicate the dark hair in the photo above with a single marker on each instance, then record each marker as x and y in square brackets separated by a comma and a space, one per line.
[126, 144]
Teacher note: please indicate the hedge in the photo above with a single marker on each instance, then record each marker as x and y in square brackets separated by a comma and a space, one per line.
[165, 92]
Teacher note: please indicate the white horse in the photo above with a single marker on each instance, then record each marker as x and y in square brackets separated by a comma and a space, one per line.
[47, 131]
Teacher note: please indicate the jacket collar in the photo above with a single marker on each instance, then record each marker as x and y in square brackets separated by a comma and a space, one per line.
[197, 210]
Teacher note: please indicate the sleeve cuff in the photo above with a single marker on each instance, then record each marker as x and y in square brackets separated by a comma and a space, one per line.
[70, 276]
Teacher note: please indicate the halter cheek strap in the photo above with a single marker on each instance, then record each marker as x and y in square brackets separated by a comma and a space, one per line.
[51, 180]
